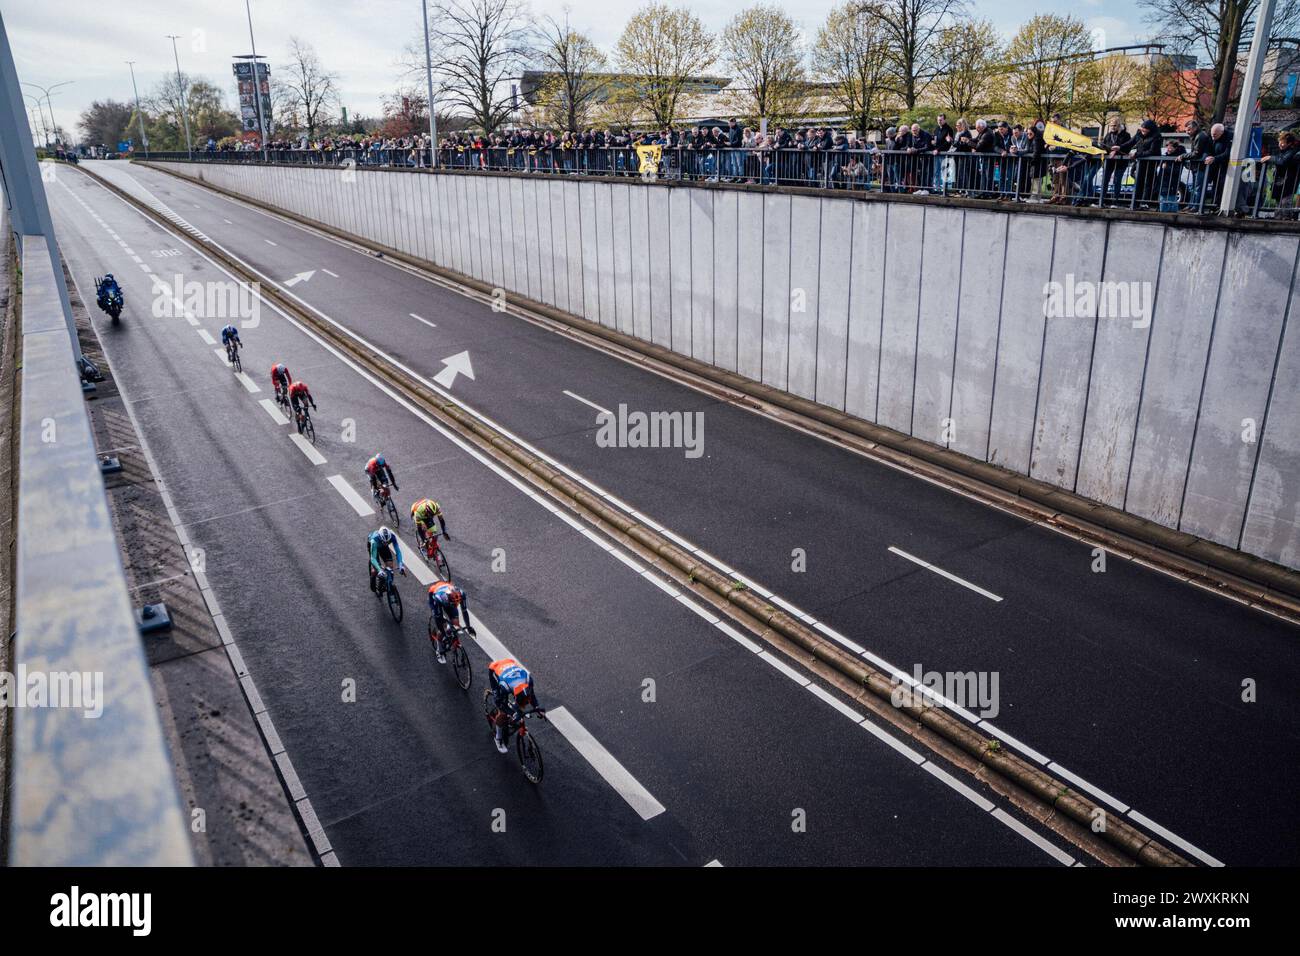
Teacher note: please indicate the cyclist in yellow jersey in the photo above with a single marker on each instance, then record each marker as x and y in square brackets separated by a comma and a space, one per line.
[425, 512]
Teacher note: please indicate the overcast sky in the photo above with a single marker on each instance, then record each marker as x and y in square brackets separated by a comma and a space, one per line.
[87, 41]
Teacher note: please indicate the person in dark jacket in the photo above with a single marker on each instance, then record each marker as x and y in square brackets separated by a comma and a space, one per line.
[1286, 174]
[1117, 144]
[1146, 150]
[919, 160]
[1199, 145]
[1216, 163]
[941, 142]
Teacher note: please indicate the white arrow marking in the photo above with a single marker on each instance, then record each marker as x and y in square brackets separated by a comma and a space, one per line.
[458, 364]
[300, 277]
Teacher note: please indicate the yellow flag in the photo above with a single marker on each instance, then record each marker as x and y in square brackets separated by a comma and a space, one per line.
[1055, 135]
[649, 156]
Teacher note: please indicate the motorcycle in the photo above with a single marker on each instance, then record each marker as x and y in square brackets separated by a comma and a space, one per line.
[109, 299]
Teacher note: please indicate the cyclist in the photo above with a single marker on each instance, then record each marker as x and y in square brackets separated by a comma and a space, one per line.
[425, 512]
[281, 379]
[513, 690]
[448, 603]
[300, 397]
[230, 338]
[380, 472]
[385, 552]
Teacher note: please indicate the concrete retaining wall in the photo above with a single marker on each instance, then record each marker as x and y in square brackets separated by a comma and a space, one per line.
[927, 319]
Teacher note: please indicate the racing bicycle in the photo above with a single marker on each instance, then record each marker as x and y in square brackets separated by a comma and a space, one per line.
[527, 749]
[449, 642]
[386, 587]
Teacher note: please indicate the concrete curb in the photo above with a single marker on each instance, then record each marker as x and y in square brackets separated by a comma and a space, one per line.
[1264, 582]
[1042, 786]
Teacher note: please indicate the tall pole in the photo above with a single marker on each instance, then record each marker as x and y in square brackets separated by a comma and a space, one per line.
[428, 76]
[257, 85]
[45, 91]
[40, 114]
[144, 138]
[1246, 108]
[180, 88]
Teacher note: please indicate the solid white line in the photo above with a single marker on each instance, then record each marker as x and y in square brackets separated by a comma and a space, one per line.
[1082, 784]
[838, 704]
[615, 774]
[940, 571]
[247, 382]
[419, 569]
[785, 668]
[1174, 839]
[326, 271]
[1008, 739]
[888, 738]
[279, 417]
[585, 401]
[359, 504]
[308, 449]
[1050, 849]
[418, 318]
[206, 337]
[978, 799]
[713, 863]
[739, 638]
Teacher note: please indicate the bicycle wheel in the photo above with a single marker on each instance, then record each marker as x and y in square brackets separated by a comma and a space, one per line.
[394, 603]
[460, 664]
[238, 363]
[440, 561]
[309, 430]
[391, 508]
[530, 757]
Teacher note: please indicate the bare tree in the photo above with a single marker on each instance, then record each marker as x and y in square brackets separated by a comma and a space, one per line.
[104, 122]
[309, 91]
[852, 55]
[574, 81]
[1114, 84]
[479, 47]
[973, 50]
[763, 51]
[659, 50]
[914, 28]
[1212, 31]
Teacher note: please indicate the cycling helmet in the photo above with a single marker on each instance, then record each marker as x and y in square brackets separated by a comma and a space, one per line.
[379, 460]
[385, 535]
[454, 595]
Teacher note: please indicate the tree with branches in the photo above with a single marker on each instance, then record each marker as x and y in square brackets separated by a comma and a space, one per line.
[659, 50]
[765, 55]
[574, 79]
[914, 29]
[308, 91]
[851, 55]
[1048, 52]
[973, 51]
[479, 47]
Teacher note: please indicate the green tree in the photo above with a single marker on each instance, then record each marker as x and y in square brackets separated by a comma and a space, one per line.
[658, 52]
[764, 53]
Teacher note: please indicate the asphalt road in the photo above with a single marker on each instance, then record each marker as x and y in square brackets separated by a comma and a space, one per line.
[734, 749]
[1128, 678]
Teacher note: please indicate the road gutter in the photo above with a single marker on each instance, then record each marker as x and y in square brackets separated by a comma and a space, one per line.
[930, 723]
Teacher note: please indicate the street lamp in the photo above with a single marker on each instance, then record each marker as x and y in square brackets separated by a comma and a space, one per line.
[428, 75]
[180, 88]
[144, 138]
[257, 86]
[38, 126]
[46, 90]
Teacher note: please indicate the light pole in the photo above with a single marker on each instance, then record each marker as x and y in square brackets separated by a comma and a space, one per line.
[40, 115]
[257, 86]
[46, 90]
[428, 75]
[144, 138]
[180, 88]
[1246, 110]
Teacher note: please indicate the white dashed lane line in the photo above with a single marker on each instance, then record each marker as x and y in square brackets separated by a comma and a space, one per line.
[585, 401]
[249, 385]
[942, 573]
[277, 416]
[419, 318]
[326, 271]
[308, 449]
[359, 504]
[206, 336]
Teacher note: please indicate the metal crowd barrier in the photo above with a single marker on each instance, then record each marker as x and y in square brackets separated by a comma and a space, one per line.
[1160, 183]
[85, 790]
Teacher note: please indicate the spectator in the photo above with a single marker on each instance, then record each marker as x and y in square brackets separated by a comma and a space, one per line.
[1216, 163]
[1146, 148]
[1199, 146]
[1117, 144]
[1286, 174]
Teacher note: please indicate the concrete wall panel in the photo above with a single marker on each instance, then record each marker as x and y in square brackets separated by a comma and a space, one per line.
[936, 331]
[749, 285]
[866, 305]
[701, 202]
[726, 241]
[805, 302]
[776, 290]
[903, 280]
[834, 274]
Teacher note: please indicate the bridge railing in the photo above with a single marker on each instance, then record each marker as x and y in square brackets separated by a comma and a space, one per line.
[1155, 184]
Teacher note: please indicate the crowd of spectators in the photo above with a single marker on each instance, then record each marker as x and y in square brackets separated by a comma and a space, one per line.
[1145, 169]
